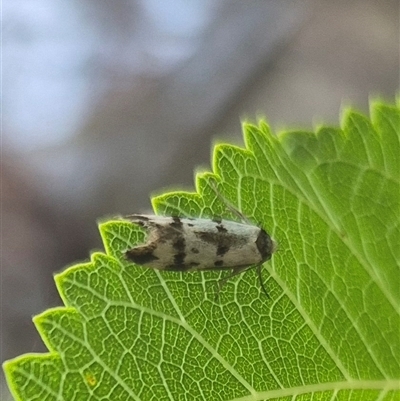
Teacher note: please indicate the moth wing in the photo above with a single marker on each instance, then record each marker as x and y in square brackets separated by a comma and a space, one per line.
[142, 220]
[142, 254]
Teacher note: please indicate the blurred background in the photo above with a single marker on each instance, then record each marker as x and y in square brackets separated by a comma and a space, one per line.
[105, 102]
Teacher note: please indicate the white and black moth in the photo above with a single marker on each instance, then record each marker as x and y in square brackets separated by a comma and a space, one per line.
[188, 244]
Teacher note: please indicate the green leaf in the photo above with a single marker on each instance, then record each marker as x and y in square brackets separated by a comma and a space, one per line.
[330, 329]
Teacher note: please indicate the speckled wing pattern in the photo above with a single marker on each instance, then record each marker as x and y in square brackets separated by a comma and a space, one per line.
[185, 244]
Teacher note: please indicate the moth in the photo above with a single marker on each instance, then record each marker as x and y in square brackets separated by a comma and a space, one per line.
[199, 244]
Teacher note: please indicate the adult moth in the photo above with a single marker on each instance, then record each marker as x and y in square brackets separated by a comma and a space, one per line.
[199, 244]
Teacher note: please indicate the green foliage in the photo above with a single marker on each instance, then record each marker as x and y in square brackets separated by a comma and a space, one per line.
[330, 330]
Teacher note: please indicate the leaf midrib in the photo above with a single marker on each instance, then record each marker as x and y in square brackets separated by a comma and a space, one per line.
[373, 385]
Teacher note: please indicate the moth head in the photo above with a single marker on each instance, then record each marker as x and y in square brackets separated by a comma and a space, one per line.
[265, 245]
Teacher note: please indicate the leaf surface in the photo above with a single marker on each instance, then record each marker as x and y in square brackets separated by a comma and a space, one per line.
[330, 329]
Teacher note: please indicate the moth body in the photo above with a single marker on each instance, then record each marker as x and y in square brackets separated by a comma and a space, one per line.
[186, 244]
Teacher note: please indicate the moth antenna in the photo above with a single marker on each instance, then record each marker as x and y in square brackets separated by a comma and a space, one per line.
[229, 205]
